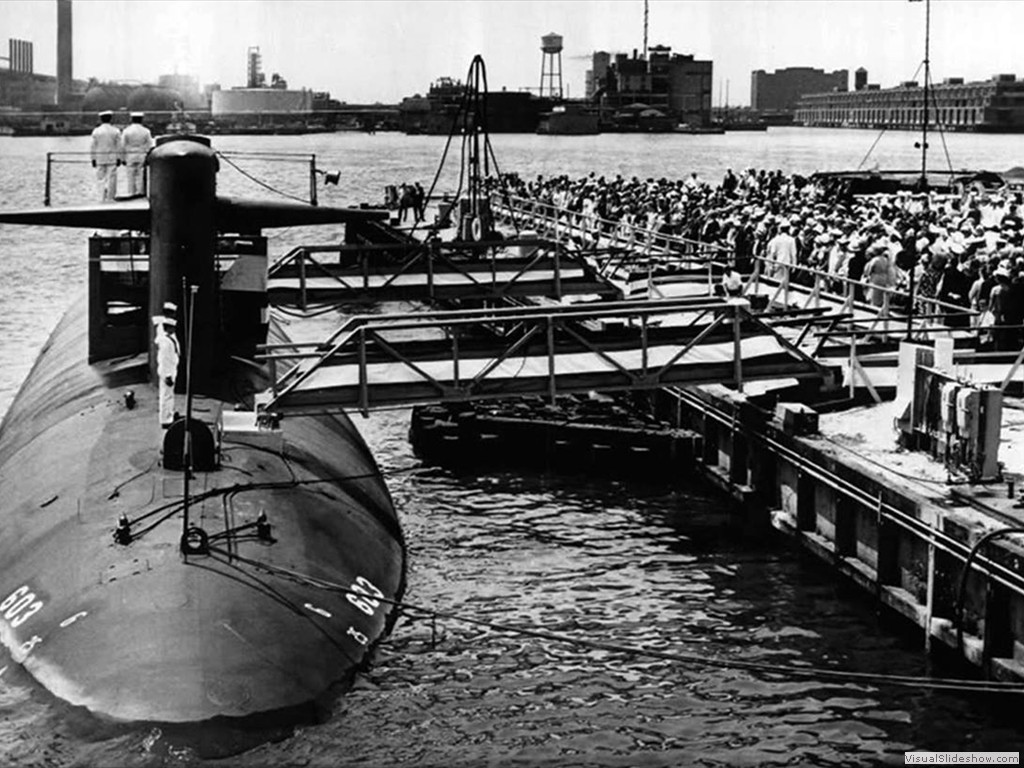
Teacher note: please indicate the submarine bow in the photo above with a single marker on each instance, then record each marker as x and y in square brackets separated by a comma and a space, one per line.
[301, 556]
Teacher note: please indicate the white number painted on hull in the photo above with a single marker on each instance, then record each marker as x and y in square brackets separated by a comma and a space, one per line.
[364, 596]
[358, 636]
[321, 611]
[19, 606]
[72, 619]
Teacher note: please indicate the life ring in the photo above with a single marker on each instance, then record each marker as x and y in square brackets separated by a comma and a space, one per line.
[476, 229]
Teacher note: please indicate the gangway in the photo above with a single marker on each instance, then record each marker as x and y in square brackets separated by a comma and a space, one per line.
[376, 361]
[431, 270]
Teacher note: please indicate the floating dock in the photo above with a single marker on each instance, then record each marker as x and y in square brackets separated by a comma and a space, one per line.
[829, 469]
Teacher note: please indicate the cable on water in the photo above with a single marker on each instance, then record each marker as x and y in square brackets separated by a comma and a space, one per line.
[817, 673]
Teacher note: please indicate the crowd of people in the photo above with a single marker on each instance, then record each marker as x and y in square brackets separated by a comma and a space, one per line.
[965, 250]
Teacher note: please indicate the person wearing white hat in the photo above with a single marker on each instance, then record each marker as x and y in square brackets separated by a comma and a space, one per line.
[106, 156]
[136, 141]
[168, 354]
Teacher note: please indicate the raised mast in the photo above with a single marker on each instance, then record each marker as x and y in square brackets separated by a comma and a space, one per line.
[927, 79]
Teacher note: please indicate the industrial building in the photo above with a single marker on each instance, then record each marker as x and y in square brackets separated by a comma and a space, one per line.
[21, 87]
[678, 85]
[995, 105]
[239, 101]
[779, 91]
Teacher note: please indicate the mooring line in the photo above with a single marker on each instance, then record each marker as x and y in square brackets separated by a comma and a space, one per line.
[809, 672]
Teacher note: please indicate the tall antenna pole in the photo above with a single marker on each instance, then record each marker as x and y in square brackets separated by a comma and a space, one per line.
[927, 78]
[645, 29]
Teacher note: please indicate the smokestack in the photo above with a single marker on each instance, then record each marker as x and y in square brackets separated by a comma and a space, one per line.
[63, 50]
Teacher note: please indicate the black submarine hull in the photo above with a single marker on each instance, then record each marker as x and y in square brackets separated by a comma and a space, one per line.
[143, 631]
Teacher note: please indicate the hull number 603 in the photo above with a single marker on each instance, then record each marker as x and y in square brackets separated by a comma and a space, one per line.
[19, 606]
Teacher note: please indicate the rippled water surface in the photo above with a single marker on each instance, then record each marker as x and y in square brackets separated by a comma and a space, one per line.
[622, 563]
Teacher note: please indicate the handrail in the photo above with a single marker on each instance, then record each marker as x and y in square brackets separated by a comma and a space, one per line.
[609, 226]
[363, 334]
[723, 250]
[891, 291]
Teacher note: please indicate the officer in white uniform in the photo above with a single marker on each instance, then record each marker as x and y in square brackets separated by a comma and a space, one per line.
[136, 141]
[106, 155]
[167, 355]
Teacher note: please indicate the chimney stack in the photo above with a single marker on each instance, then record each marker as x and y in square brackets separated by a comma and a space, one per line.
[63, 51]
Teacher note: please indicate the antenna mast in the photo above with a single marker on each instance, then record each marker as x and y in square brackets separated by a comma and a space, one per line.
[645, 29]
[927, 79]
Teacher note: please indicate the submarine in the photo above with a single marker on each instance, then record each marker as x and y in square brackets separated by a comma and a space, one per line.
[234, 569]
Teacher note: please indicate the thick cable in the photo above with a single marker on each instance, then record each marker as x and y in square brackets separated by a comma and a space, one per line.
[258, 181]
[843, 676]
[961, 590]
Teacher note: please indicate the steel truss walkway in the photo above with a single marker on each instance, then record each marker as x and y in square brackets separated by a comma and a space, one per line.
[385, 361]
[431, 270]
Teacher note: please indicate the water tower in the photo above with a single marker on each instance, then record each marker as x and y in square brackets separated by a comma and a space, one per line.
[551, 65]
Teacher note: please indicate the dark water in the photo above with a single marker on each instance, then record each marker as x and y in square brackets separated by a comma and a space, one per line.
[633, 564]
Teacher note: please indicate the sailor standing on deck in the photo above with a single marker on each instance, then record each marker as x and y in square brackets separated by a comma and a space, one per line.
[106, 156]
[167, 355]
[136, 141]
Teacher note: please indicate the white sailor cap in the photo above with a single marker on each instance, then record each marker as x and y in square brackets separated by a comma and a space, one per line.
[163, 320]
[138, 115]
[170, 306]
[106, 113]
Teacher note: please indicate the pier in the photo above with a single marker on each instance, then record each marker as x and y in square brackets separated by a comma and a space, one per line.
[791, 414]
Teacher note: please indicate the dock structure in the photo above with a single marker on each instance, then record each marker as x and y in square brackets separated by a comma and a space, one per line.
[371, 362]
[431, 270]
[778, 390]
[828, 471]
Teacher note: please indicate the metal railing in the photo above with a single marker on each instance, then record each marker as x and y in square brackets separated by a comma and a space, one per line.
[480, 265]
[530, 333]
[658, 249]
[625, 245]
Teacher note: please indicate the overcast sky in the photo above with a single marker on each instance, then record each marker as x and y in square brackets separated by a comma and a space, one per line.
[382, 50]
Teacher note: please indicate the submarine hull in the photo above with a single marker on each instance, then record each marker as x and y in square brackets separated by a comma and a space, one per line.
[263, 620]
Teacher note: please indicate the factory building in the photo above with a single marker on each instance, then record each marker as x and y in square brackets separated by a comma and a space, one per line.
[234, 101]
[995, 105]
[678, 85]
[779, 91]
[598, 72]
[22, 88]
[65, 73]
[187, 88]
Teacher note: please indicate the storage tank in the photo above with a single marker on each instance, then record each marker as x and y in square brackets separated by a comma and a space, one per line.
[551, 43]
[103, 97]
[152, 98]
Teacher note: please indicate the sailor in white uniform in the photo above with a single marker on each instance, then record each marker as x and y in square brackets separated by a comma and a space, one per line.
[106, 156]
[167, 355]
[136, 141]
